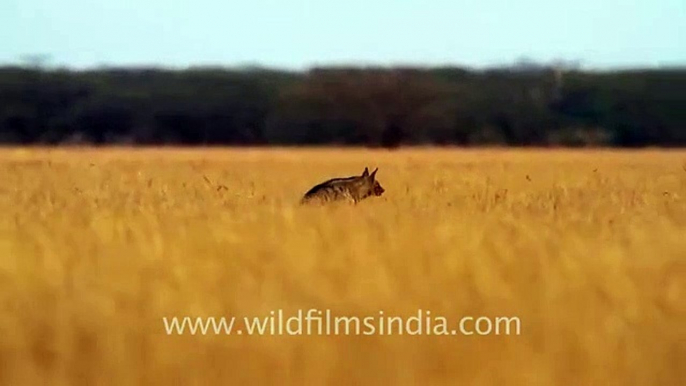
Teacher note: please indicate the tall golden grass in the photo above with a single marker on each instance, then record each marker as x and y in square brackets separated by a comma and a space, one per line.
[586, 248]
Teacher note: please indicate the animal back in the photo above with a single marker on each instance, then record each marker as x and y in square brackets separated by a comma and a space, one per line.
[332, 190]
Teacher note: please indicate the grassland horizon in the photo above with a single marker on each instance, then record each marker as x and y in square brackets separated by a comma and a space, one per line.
[585, 246]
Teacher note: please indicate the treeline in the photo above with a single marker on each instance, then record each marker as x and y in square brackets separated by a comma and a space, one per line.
[343, 106]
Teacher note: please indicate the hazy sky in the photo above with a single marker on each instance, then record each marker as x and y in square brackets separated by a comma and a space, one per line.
[302, 33]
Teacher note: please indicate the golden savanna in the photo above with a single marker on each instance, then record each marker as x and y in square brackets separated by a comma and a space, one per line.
[586, 248]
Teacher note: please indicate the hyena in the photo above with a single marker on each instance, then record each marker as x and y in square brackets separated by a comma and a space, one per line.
[350, 189]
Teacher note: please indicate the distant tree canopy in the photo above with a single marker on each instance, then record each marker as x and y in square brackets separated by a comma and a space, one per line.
[344, 106]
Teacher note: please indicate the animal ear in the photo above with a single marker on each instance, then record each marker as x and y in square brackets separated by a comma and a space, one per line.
[374, 173]
[365, 173]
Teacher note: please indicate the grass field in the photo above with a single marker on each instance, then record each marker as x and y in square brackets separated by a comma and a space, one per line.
[586, 248]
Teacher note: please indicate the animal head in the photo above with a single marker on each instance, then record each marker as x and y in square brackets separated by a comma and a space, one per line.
[370, 186]
[378, 189]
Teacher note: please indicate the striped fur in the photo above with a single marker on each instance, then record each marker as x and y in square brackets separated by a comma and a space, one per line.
[349, 189]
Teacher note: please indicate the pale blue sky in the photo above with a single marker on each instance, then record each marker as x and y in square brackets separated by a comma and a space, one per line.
[302, 33]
